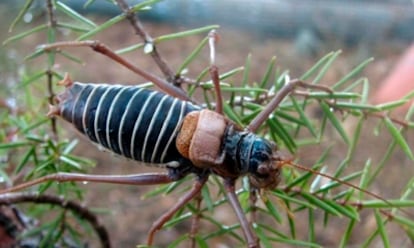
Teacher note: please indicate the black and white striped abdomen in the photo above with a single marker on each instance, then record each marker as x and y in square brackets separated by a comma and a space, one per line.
[131, 121]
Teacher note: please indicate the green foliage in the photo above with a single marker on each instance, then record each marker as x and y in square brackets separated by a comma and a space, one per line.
[34, 145]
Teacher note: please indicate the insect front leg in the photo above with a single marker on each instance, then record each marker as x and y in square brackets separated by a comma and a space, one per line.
[278, 98]
[252, 201]
[229, 185]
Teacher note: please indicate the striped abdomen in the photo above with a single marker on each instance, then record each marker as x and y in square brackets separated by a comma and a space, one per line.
[131, 121]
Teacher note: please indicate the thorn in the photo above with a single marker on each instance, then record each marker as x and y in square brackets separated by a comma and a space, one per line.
[53, 111]
[66, 81]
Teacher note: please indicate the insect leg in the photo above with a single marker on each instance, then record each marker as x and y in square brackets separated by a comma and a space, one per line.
[278, 98]
[134, 179]
[195, 190]
[103, 49]
[214, 73]
[253, 200]
[252, 241]
[219, 109]
[195, 220]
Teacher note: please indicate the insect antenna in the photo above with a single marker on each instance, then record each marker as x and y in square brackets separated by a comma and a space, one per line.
[290, 163]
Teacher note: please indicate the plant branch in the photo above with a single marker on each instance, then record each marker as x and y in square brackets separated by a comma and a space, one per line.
[382, 115]
[81, 211]
[52, 23]
[51, 15]
[148, 40]
[358, 205]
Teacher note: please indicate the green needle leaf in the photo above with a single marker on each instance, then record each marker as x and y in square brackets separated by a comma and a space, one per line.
[335, 122]
[398, 137]
[75, 15]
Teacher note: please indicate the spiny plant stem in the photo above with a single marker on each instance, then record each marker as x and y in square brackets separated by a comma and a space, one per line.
[81, 211]
[138, 28]
[52, 25]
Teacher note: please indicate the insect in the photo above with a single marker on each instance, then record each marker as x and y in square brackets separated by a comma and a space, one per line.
[152, 127]
[156, 128]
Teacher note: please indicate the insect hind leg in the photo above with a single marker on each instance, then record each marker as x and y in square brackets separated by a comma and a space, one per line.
[105, 50]
[133, 179]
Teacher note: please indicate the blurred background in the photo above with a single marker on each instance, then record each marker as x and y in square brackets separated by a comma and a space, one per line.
[297, 32]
